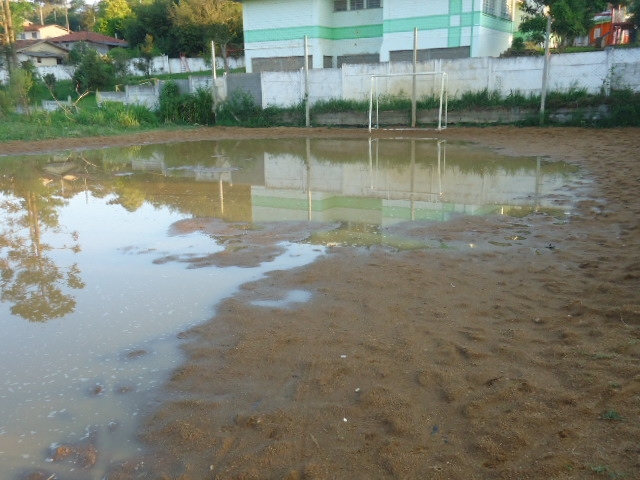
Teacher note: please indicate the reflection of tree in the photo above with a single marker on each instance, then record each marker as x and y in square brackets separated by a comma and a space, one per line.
[31, 280]
[131, 197]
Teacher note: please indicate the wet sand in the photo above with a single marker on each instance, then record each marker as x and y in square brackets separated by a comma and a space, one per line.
[518, 358]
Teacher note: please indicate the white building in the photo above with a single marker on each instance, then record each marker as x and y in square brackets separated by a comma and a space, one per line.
[372, 31]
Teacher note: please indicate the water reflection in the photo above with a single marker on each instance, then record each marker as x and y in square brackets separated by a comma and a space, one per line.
[31, 280]
[364, 185]
[88, 238]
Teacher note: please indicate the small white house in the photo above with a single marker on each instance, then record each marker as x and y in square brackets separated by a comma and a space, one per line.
[101, 43]
[31, 31]
[372, 31]
[42, 53]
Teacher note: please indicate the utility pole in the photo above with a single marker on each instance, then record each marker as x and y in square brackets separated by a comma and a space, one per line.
[545, 69]
[414, 78]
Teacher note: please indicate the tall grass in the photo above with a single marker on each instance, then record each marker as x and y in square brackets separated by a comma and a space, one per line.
[85, 118]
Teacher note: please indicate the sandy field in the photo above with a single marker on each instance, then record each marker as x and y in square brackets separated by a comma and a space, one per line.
[517, 359]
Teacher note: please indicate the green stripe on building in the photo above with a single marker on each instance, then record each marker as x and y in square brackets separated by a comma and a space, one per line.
[455, 37]
[316, 204]
[433, 22]
[320, 32]
[455, 7]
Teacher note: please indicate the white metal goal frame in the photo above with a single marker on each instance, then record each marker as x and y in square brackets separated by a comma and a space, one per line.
[443, 94]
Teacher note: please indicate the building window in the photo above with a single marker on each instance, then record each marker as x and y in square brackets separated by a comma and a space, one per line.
[340, 5]
[34, 34]
[38, 60]
[344, 5]
[497, 8]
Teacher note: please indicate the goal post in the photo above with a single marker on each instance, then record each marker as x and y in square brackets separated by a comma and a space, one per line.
[421, 84]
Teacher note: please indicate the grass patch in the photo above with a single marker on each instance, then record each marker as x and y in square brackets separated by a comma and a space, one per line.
[611, 415]
[177, 111]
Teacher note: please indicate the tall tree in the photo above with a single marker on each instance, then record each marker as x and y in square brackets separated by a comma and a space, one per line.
[570, 18]
[12, 16]
[215, 20]
[153, 18]
[112, 15]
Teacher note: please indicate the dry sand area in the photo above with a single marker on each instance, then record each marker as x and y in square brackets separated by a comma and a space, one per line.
[511, 361]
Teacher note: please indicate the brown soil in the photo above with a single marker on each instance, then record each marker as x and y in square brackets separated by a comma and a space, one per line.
[518, 361]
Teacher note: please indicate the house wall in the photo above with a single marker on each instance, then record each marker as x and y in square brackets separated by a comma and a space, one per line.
[39, 61]
[43, 32]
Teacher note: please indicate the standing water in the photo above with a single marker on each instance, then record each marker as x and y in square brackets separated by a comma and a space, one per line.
[91, 309]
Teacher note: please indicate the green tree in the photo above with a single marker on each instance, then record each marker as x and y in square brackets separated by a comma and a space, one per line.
[215, 20]
[112, 15]
[77, 52]
[153, 18]
[147, 52]
[16, 92]
[94, 72]
[12, 16]
[570, 18]
[120, 60]
[634, 11]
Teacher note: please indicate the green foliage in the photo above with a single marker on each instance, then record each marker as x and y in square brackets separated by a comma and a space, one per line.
[624, 110]
[207, 20]
[112, 16]
[169, 102]
[17, 91]
[476, 100]
[88, 120]
[120, 59]
[94, 72]
[50, 80]
[239, 109]
[570, 19]
[197, 109]
[336, 105]
[114, 114]
[152, 18]
[77, 52]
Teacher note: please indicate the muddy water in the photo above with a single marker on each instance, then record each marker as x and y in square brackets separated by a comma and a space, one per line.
[91, 310]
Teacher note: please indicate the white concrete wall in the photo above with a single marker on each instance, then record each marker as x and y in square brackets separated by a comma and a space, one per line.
[283, 89]
[590, 71]
[159, 65]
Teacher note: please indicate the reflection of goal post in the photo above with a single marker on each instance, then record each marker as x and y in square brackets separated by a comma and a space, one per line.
[420, 85]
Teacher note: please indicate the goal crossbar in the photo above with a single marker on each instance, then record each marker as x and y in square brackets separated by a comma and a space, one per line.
[442, 92]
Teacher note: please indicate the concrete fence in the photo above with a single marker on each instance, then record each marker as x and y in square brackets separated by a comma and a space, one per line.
[158, 65]
[593, 71]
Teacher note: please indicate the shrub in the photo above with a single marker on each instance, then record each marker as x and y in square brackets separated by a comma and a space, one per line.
[94, 72]
[169, 102]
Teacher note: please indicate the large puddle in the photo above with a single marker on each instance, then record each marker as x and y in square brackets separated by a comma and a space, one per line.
[91, 310]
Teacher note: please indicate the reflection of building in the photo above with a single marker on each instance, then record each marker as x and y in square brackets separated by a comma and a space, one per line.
[381, 193]
[378, 182]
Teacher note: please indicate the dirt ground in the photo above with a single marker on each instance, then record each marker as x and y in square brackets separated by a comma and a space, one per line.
[507, 362]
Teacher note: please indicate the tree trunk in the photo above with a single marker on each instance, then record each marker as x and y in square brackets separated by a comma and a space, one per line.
[225, 60]
[9, 36]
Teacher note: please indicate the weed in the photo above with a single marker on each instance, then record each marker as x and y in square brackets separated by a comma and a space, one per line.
[603, 469]
[611, 415]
